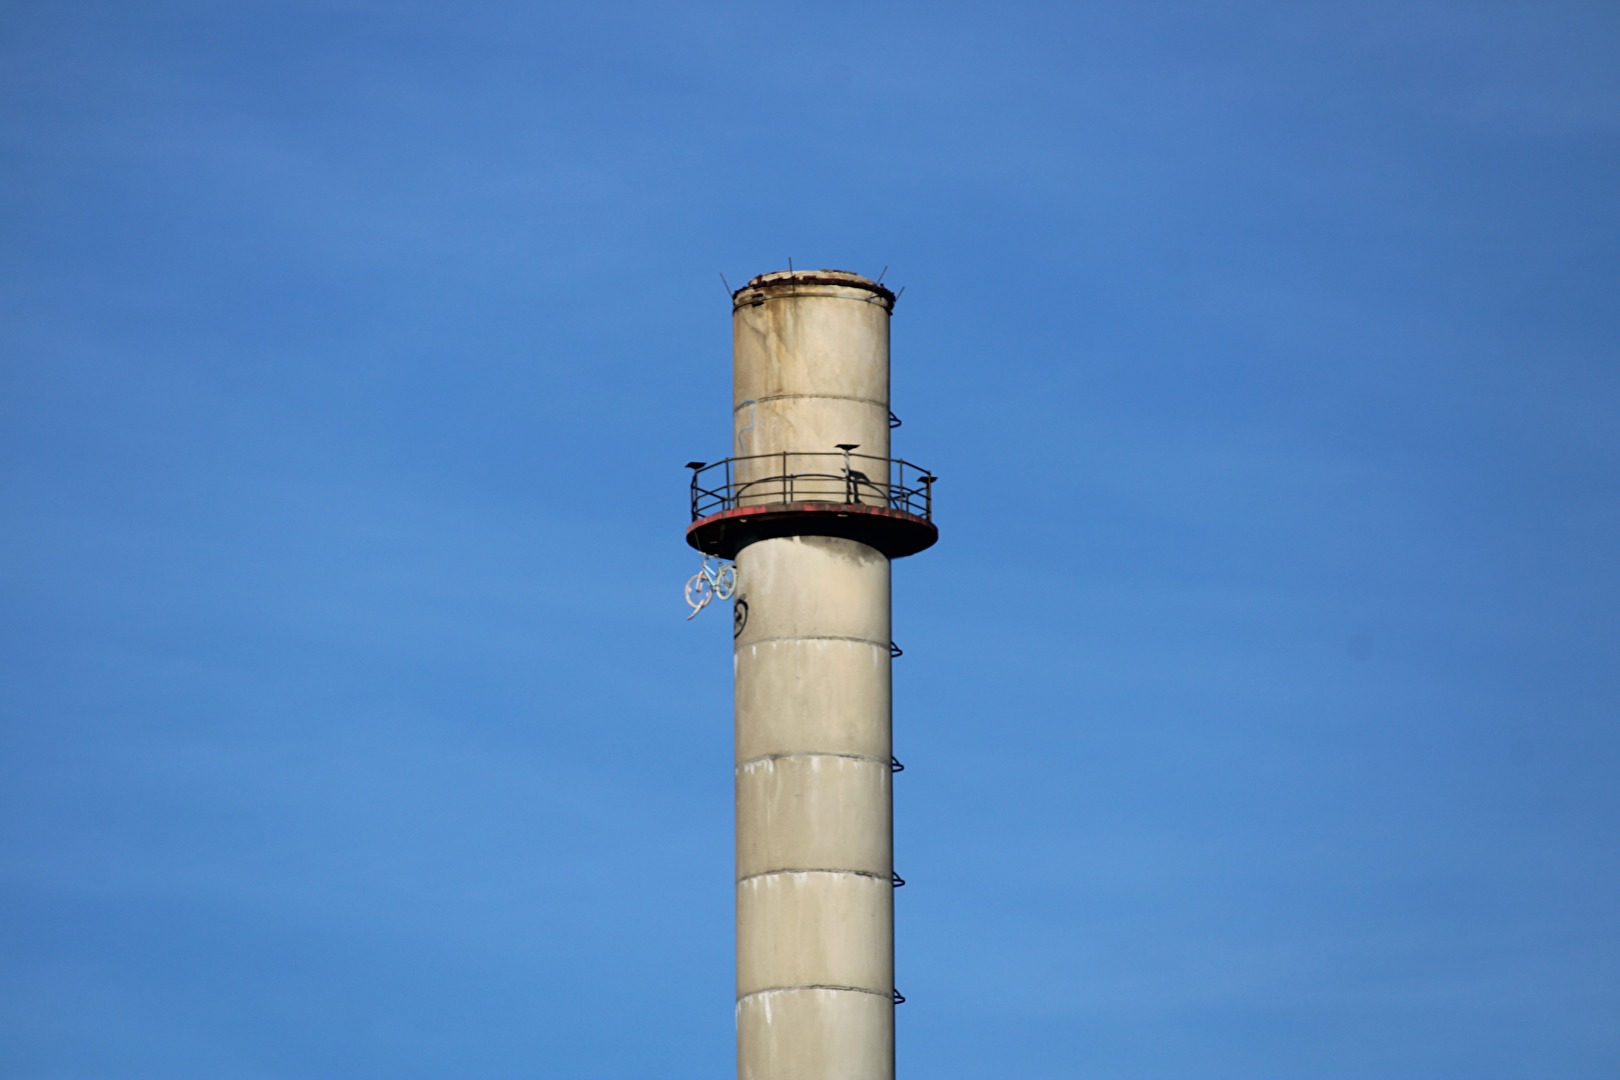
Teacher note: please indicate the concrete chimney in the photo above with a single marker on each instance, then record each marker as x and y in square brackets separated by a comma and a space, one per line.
[812, 507]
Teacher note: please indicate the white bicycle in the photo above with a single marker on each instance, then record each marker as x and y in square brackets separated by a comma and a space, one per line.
[717, 582]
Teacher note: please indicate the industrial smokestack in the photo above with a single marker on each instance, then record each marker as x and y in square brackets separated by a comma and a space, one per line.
[812, 507]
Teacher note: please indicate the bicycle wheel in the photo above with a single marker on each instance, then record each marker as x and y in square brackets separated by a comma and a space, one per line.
[725, 583]
[698, 592]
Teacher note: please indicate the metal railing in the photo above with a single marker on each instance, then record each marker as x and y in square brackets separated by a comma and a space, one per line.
[834, 476]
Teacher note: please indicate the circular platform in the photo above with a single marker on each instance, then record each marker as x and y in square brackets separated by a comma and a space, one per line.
[893, 532]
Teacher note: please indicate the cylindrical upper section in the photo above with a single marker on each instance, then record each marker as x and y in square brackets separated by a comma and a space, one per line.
[811, 370]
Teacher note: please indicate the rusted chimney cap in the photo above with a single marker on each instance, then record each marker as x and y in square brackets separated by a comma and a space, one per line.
[811, 282]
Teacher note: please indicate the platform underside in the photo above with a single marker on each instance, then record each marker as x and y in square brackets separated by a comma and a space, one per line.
[893, 532]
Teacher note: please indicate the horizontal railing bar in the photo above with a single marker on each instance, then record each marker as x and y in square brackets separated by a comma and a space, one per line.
[838, 454]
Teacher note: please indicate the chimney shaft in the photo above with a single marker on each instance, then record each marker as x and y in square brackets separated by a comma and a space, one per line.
[812, 508]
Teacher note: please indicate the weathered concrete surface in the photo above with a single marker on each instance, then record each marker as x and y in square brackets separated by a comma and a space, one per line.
[813, 811]
[815, 904]
[818, 698]
[813, 1034]
[815, 929]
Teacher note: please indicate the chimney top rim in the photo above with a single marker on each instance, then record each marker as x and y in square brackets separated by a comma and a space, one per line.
[776, 280]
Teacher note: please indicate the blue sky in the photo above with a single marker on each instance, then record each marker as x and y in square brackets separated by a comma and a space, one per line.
[1258, 703]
